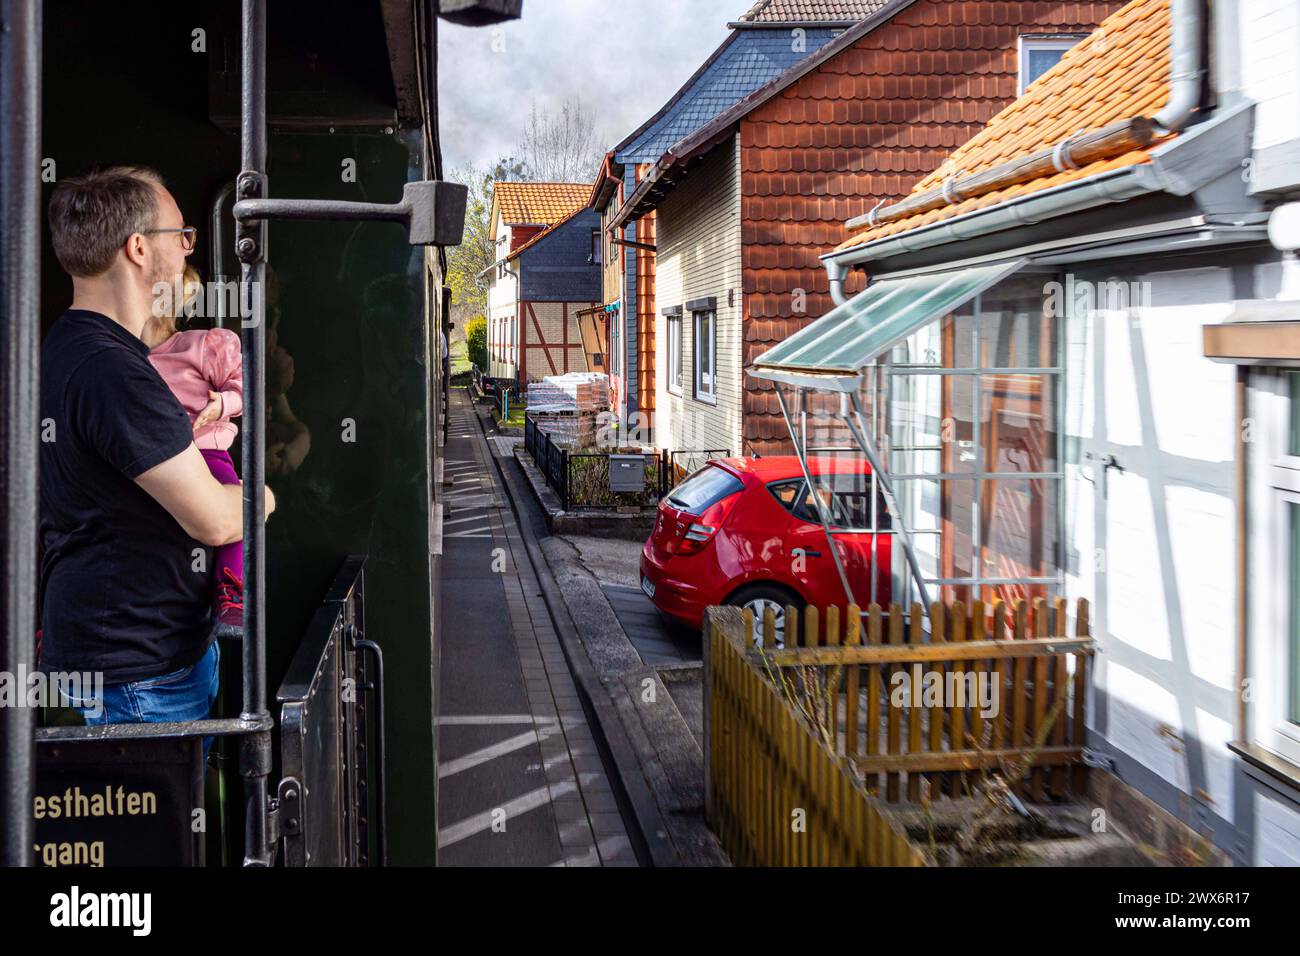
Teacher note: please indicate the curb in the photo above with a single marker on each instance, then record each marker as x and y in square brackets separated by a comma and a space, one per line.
[653, 831]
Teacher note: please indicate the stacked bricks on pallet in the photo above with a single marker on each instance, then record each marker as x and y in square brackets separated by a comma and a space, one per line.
[566, 407]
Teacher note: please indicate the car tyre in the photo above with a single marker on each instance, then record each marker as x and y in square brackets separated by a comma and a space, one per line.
[757, 598]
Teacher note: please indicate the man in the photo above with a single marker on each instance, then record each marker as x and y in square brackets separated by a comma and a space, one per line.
[129, 509]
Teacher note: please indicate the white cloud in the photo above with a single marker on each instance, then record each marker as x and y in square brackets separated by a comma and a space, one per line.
[625, 58]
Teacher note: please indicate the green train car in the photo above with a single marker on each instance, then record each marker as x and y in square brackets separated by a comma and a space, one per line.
[300, 138]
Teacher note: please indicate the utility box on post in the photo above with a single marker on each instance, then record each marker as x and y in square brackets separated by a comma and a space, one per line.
[627, 473]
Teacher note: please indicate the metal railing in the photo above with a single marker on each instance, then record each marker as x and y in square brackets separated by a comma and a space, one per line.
[683, 463]
[550, 458]
[323, 797]
[580, 478]
[494, 387]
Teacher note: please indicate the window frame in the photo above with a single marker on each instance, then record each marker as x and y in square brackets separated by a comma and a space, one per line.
[674, 346]
[1275, 658]
[1028, 42]
[615, 343]
[707, 396]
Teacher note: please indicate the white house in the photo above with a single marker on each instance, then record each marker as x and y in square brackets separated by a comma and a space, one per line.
[1079, 348]
[547, 269]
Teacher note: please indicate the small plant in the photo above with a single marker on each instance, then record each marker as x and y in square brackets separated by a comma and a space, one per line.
[476, 341]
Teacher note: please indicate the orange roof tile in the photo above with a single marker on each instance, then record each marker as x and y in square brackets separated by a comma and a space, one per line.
[1119, 72]
[537, 204]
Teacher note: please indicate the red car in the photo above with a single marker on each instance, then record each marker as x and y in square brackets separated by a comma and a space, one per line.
[746, 532]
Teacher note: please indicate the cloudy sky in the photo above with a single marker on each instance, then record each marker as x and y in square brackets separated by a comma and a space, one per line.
[625, 58]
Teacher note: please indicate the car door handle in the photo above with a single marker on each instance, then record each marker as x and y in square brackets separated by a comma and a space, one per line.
[797, 552]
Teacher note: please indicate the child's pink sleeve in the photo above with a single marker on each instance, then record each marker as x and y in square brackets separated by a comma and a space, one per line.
[223, 368]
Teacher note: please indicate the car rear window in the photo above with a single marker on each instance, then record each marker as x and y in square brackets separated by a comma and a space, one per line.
[706, 487]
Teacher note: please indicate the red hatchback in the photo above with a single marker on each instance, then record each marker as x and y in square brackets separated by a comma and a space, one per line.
[746, 532]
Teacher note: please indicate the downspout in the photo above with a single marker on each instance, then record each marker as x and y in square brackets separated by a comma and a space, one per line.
[835, 273]
[1187, 65]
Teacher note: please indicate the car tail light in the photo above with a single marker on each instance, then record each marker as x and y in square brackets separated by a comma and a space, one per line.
[702, 530]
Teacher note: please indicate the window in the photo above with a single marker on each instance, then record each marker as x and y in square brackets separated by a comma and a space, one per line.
[615, 343]
[1275, 645]
[706, 357]
[674, 327]
[1039, 53]
[972, 424]
[595, 247]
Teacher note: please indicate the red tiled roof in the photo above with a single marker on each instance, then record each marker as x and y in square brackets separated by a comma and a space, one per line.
[1120, 72]
[810, 11]
[537, 204]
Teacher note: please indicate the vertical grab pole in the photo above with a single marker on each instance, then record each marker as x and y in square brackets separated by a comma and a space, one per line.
[255, 748]
[20, 211]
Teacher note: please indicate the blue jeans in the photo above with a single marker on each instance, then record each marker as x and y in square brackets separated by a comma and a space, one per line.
[186, 694]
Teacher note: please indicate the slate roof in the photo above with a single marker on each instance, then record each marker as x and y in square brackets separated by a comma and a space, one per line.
[545, 233]
[537, 204]
[1120, 72]
[746, 60]
[809, 11]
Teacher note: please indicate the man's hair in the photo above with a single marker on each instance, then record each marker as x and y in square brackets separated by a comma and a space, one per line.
[92, 216]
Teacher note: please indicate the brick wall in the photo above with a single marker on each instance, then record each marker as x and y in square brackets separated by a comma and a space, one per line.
[865, 126]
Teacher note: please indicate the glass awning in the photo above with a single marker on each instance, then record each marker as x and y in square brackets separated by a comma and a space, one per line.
[832, 350]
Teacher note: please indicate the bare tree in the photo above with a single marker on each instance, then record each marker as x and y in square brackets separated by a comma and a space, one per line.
[562, 146]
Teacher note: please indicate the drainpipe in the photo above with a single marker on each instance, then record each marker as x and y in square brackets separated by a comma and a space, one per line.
[836, 272]
[1186, 63]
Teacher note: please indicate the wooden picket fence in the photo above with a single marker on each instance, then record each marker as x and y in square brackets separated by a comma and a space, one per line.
[856, 707]
[777, 796]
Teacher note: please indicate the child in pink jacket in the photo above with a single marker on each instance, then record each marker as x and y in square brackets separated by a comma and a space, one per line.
[204, 370]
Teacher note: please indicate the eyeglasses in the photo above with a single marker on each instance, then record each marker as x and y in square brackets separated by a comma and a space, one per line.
[188, 235]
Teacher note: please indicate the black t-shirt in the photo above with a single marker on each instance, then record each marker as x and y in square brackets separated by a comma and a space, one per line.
[124, 590]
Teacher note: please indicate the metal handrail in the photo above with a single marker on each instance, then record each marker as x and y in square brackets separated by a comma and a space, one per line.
[20, 211]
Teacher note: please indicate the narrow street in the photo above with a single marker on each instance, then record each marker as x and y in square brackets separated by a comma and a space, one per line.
[521, 782]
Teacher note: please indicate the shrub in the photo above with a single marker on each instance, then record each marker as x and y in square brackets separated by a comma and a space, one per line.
[476, 341]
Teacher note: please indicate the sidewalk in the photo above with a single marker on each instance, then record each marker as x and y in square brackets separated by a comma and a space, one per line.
[521, 782]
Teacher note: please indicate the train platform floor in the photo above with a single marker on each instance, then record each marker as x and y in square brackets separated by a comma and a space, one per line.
[520, 779]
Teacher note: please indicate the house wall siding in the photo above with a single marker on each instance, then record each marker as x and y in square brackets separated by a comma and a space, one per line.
[1151, 546]
[501, 319]
[699, 256]
[1271, 69]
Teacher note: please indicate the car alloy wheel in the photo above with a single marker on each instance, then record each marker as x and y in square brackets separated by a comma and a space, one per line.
[759, 608]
